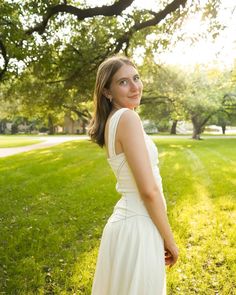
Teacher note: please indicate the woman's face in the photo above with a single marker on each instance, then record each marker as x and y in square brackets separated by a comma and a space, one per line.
[126, 88]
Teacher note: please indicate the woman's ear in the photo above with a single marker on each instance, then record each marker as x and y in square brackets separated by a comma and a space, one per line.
[106, 93]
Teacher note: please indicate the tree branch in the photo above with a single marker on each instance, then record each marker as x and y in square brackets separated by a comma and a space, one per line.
[105, 10]
[203, 123]
[158, 17]
[83, 114]
[6, 59]
[228, 95]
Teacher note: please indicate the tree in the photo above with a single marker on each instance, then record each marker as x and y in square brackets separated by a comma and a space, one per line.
[227, 114]
[164, 87]
[205, 96]
[201, 96]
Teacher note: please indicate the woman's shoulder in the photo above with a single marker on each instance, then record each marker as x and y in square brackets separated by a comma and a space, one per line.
[129, 119]
[128, 114]
[123, 114]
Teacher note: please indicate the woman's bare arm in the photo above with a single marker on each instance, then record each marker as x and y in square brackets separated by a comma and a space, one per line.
[131, 137]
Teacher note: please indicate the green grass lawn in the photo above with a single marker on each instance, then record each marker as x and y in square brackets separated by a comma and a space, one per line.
[16, 141]
[55, 203]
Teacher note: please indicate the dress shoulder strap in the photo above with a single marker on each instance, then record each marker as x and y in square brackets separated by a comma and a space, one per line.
[112, 130]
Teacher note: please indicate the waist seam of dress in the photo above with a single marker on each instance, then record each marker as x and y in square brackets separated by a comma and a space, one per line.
[128, 217]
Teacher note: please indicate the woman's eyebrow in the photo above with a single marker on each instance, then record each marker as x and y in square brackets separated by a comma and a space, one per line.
[126, 78]
[123, 78]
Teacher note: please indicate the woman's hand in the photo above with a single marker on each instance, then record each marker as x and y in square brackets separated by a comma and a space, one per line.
[171, 254]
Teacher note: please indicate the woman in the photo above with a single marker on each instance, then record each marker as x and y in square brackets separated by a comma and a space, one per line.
[137, 240]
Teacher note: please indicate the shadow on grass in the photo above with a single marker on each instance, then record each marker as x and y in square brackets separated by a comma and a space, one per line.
[56, 202]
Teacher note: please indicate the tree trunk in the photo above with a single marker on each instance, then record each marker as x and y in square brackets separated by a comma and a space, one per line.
[173, 127]
[2, 126]
[84, 127]
[197, 130]
[223, 127]
[50, 124]
[196, 134]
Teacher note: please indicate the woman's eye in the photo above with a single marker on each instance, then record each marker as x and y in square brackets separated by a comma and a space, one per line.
[123, 82]
[137, 78]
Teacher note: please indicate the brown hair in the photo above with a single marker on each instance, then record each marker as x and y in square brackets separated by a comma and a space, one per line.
[103, 106]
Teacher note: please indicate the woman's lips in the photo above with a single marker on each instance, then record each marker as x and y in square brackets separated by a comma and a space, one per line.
[134, 96]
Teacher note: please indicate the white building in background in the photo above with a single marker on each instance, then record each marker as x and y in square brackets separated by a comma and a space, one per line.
[184, 127]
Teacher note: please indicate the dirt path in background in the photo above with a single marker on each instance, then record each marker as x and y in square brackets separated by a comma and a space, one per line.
[51, 141]
[47, 142]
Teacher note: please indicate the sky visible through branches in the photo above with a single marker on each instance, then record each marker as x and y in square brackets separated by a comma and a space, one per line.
[220, 52]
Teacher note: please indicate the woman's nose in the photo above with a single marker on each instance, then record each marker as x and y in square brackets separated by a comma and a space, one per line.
[134, 86]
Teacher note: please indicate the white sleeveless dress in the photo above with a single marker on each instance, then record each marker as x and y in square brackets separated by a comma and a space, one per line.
[131, 254]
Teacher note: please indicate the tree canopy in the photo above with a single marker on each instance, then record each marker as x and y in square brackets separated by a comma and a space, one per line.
[49, 51]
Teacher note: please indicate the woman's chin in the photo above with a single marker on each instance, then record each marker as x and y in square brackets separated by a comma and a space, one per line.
[135, 104]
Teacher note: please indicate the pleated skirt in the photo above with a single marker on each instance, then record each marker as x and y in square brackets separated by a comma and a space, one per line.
[130, 259]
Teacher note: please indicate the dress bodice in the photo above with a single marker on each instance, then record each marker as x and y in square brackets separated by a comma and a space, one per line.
[125, 180]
